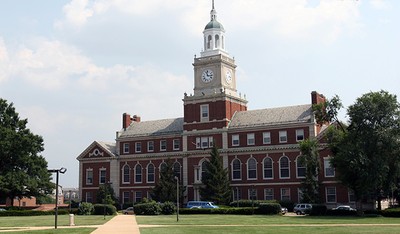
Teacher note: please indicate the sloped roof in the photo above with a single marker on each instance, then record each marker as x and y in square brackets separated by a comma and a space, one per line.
[271, 116]
[108, 147]
[153, 128]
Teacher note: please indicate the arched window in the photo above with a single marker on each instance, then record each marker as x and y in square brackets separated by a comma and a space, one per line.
[163, 167]
[216, 41]
[150, 173]
[126, 174]
[203, 169]
[301, 167]
[209, 42]
[268, 170]
[177, 170]
[138, 173]
[252, 168]
[284, 171]
[236, 169]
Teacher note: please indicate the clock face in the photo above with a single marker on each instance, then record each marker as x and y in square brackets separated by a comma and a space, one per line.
[207, 76]
[228, 77]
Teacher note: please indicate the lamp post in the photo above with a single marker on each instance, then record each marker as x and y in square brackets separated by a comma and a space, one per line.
[70, 200]
[177, 198]
[62, 170]
[106, 196]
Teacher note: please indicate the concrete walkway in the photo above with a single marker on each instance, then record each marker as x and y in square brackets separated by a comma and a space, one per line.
[119, 224]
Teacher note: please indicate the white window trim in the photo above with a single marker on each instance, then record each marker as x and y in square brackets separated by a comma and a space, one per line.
[269, 136]
[288, 189]
[161, 143]
[136, 147]
[247, 167]
[265, 193]
[281, 134]
[240, 169]
[251, 136]
[148, 146]
[207, 108]
[327, 159]
[126, 148]
[250, 190]
[147, 173]
[272, 168]
[141, 173]
[174, 144]
[299, 132]
[123, 174]
[326, 195]
[87, 177]
[297, 168]
[233, 139]
[105, 177]
[280, 167]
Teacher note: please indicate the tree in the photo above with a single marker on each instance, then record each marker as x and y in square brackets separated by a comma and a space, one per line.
[165, 189]
[310, 159]
[23, 172]
[366, 152]
[106, 194]
[215, 180]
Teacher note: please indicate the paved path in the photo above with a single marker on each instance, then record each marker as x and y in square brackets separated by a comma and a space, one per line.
[119, 224]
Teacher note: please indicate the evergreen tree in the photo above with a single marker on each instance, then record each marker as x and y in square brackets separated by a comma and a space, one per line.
[165, 189]
[106, 194]
[215, 180]
[310, 159]
[23, 171]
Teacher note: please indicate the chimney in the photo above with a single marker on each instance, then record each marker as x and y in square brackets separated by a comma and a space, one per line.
[126, 120]
[317, 98]
[136, 118]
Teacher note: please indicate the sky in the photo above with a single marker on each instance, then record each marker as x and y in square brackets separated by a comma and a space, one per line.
[73, 67]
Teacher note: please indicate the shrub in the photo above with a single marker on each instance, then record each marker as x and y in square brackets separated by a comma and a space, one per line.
[100, 208]
[86, 208]
[250, 203]
[391, 212]
[126, 205]
[231, 211]
[341, 212]
[318, 209]
[151, 208]
[168, 208]
[269, 208]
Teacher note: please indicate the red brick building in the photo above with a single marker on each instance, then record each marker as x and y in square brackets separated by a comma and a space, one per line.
[260, 148]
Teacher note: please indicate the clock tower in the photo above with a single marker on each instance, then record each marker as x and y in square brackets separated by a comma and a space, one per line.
[215, 98]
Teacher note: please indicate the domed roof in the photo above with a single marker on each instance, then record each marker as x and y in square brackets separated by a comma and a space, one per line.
[214, 24]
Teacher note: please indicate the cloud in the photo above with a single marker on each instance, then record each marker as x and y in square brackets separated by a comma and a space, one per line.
[379, 4]
[4, 60]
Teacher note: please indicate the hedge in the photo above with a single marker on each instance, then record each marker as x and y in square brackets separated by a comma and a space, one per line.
[318, 209]
[150, 208]
[250, 203]
[109, 209]
[269, 208]
[31, 212]
[233, 210]
[391, 212]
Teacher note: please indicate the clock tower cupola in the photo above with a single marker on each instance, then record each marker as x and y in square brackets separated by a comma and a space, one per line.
[215, 97]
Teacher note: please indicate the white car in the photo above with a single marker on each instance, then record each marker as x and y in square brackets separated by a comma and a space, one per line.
[344, 208]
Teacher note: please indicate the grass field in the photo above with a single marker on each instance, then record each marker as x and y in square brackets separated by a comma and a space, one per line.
[267, 224]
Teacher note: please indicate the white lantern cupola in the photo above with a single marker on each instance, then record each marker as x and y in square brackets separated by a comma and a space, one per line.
[214, 36]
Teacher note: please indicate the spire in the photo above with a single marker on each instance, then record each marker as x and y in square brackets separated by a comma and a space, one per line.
[213, 12]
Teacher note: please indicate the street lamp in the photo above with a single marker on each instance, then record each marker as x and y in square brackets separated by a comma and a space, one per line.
[177, 198]
[62, 170]
[106, 196]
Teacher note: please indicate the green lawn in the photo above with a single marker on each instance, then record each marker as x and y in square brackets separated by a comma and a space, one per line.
[48, 220]
[267, 224]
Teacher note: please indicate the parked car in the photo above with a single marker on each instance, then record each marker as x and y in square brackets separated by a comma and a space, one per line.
[200, 204]
[283, 210]
[343, 207]
[302, 208]
[2, 209]
[128, 210]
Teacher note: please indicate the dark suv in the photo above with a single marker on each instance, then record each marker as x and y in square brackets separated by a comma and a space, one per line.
[302, 208]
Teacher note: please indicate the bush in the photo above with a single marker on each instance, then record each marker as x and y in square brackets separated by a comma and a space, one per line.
[230, 211]
[269, 208]
[391, 212]
[151, 208]
[109, 209]
[341, 212]
[250, 203]
[86, 208]
[318, 209]
[126, 205]
[168, 208]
